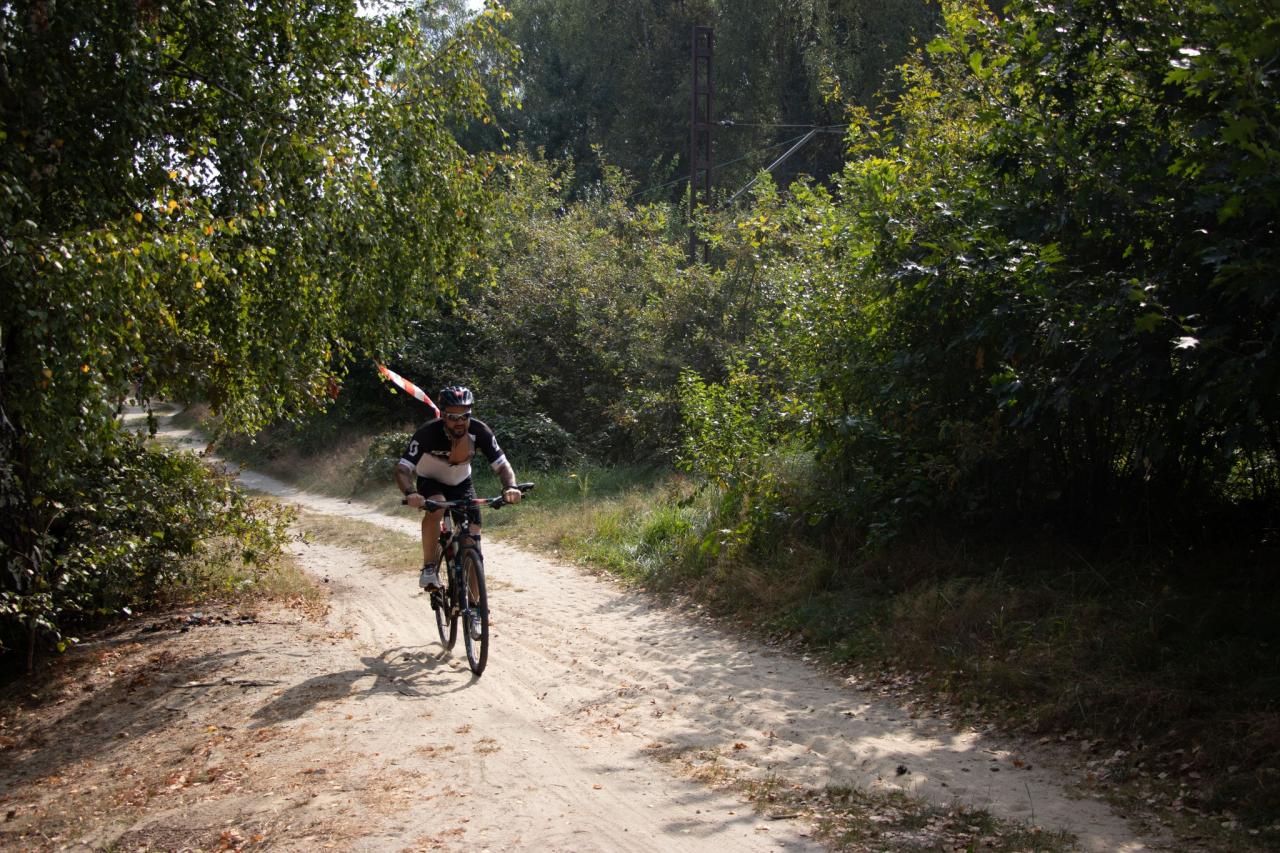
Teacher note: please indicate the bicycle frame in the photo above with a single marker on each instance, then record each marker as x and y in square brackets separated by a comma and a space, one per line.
[455, 538]
[464, 598]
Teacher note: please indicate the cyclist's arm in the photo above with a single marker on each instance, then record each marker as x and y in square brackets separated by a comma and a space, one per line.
[407, 482]
[406, 477]
[506, 474]
[406, 473]
[487, 443]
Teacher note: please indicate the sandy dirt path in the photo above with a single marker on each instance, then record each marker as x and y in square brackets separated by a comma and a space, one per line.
[357, 732]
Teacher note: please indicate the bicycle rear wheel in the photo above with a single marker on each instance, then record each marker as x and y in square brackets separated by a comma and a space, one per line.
[446, 615]
[475, 610]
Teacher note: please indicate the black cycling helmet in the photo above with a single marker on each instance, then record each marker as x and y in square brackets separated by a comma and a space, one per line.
[456, 395]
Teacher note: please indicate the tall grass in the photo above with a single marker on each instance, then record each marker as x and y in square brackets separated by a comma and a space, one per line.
[630, 521]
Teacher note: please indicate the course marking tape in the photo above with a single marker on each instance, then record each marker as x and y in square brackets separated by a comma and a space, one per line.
[408, 387]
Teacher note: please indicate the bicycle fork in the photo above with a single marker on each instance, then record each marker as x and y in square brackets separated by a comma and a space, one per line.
[474, 613]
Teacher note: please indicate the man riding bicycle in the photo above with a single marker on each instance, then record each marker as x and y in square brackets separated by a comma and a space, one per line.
[437, 466]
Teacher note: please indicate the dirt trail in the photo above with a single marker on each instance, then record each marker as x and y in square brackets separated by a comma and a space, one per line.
[359, 734]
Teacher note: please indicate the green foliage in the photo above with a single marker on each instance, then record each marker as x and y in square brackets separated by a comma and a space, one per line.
[575, 341]
[536, 440]
[227, 201]
[123, 533]
[730, 430]
[1045, 290]
[379, 463]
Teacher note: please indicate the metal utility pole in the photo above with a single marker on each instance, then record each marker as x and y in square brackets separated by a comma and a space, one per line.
[700, 134]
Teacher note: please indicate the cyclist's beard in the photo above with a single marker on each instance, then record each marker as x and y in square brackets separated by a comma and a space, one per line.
[458, 431]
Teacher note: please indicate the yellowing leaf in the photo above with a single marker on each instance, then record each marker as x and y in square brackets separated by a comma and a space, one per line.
[137, 217]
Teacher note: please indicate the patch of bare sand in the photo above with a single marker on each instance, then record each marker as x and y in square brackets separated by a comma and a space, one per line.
[358, 733]
[573, 653]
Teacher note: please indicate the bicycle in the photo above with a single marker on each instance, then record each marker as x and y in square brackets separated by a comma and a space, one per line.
[463, 596]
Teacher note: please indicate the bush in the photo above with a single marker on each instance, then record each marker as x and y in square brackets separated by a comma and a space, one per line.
[127, 528]
[535, 441]
[379, 463]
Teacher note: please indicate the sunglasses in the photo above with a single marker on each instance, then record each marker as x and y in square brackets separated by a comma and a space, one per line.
[457, 416]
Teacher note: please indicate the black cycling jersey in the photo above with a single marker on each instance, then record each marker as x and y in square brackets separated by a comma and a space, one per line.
[429, 449]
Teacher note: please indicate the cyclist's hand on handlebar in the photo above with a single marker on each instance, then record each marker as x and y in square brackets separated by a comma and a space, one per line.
[511, 496]
[415, 500]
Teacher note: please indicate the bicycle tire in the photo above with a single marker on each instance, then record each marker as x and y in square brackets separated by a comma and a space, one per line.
[475, 610]
[446, 614]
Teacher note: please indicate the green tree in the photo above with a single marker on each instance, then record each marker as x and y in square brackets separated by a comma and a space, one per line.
[1045, 288]
[222, 200]
[585, 323]
[617, 75]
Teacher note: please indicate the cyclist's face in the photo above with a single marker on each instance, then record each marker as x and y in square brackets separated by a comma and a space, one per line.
[456, 420]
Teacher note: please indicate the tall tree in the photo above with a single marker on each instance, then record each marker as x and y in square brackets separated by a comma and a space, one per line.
[1046, 289]
[227, 200]
[617, 75]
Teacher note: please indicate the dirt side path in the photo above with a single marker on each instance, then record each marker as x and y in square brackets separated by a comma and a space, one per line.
[223, 731]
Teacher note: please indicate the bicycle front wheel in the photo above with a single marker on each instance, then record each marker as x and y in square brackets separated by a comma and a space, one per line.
[446, 614]
[475, 610]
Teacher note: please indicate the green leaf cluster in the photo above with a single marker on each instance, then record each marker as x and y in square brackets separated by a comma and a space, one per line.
[575, 340]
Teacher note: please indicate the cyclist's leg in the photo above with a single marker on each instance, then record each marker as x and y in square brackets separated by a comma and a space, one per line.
[432, 490]
[431, 533]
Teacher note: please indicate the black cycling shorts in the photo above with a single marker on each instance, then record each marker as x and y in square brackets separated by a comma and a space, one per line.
[430, 488]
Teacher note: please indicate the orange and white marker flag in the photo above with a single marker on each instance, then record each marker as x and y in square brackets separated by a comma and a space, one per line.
[408, 387]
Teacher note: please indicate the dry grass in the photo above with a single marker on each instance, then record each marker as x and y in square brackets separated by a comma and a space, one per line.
[334, 472]
[220, 574]
[385, 550]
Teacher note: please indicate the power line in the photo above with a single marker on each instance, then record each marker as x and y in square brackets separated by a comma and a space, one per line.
[726, 163]
[767, 148]
[776, 163]
[728, 122]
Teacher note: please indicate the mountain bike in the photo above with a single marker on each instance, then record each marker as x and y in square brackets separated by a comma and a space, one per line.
[463, 597]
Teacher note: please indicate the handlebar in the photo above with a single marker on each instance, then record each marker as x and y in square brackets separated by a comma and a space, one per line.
[462, 503]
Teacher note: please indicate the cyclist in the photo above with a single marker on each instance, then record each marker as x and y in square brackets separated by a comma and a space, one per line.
[437, 466]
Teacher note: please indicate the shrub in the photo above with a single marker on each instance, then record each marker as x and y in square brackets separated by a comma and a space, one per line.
[533, 440]
[379, 463]
[126, 529]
